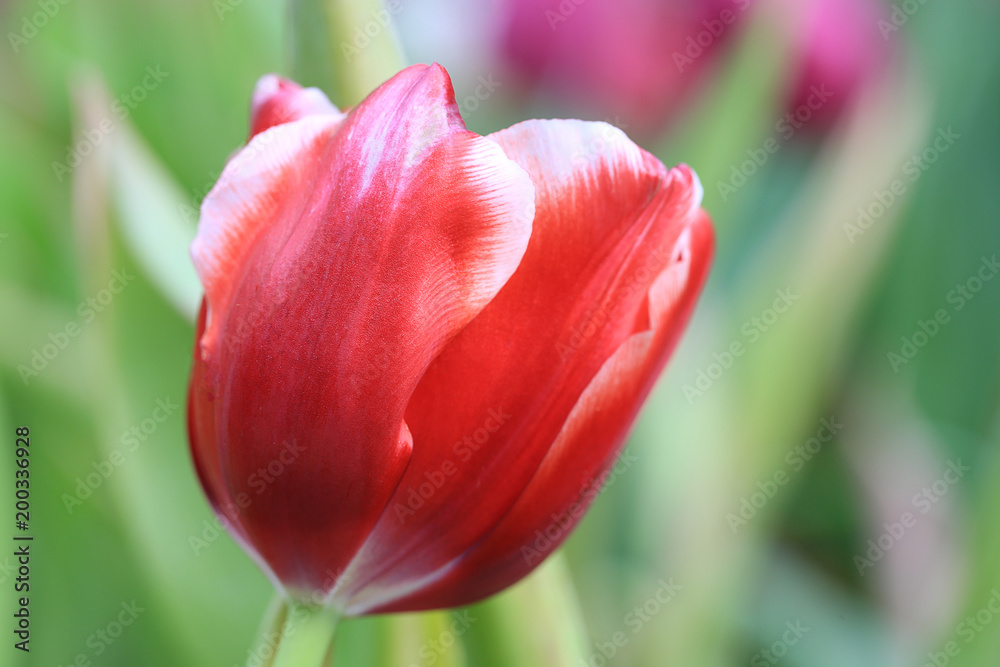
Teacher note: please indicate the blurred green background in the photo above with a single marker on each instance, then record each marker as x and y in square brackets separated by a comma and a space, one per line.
[813, 499]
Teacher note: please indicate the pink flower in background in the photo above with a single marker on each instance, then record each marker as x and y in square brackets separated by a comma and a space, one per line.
[614, 58]
[838, 48]
[638, 61]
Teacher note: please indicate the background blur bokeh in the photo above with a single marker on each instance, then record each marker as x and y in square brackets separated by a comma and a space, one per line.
[816, 479]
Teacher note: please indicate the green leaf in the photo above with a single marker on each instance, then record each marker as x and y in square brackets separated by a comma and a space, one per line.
[345, 47]
[156, 219]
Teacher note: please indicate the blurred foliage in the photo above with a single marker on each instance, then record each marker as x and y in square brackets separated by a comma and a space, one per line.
[144, 533]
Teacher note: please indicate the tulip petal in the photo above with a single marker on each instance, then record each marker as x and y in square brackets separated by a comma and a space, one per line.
[570, 478]
[201, 425]
[337, 263]
[607, 220]
[201, 435]
[251, 194]
[277, 100]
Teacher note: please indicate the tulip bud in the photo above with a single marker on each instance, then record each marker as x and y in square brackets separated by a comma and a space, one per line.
[419, 344]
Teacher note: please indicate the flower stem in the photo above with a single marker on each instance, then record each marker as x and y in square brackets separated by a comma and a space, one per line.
[536, 622]
[295, 635]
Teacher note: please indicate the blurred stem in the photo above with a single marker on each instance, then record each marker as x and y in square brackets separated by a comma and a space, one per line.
[345, 47]
[738, 111]
[295, 635]
[537, 622]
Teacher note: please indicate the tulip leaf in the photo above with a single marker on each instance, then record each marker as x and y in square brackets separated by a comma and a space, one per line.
[737, 110]
[773, 403]
[156, 221]
[980, 646]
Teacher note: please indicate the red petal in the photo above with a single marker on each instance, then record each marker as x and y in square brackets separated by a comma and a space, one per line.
[608, 218]
[570, 477]
[256, 190]
[277, 101]
[201, 428]
[202, 436]
[337, 264]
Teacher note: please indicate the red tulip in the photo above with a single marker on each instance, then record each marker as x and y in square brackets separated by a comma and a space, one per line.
[419, 345]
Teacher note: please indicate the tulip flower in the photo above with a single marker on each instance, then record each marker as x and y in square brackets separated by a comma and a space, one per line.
[420, 348]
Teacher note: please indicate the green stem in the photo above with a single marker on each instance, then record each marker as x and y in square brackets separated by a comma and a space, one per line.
[295, 635]
[345, 47]
[537, 622]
